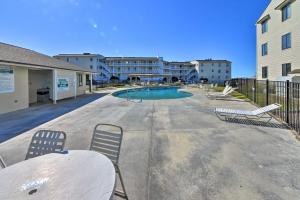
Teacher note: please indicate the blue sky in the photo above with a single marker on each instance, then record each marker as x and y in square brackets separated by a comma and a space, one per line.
[175, 29]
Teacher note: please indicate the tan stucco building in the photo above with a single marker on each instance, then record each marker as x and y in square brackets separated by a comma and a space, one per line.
[28, 77]
[278, 40]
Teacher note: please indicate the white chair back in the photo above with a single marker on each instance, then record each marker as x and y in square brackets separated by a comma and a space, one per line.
[266, 109]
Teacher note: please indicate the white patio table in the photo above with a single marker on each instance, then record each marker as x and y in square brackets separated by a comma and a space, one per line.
[84, 175]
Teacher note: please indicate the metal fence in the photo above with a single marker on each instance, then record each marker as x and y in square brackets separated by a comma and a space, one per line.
[265, 92]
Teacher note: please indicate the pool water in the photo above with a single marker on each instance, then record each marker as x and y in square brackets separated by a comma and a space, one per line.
[153, 93]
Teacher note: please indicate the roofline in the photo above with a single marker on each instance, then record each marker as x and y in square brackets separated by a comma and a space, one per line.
[227, 61]
[43, 66]
[156, 58]
[178, 62]
[77, 55]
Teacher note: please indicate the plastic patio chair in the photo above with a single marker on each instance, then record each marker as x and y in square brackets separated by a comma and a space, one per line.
[2, 163]
[45, 142]
[107, 139]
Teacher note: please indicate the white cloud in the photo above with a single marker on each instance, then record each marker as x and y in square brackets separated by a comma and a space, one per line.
[115, 28]
[93, 23]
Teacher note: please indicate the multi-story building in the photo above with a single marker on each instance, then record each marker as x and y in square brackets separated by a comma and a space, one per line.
[184, 71]
[213, 71]
[278, 40]
[89, 61]
[151, 68]
[122, 68]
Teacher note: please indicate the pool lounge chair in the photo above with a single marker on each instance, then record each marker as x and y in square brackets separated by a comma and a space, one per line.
[260, 113]
[226, 89]
[224, 94]
[2, 163]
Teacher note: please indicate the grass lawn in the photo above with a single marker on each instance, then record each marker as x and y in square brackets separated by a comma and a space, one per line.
[233, 94]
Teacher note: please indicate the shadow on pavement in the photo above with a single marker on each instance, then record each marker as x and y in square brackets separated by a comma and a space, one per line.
[15, 123]
[256, 123]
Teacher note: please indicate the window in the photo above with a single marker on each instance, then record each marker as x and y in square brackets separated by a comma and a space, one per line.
[212, 70]
[227, 71]
[91, 66]
[286, 68]
[264, 72]
[286, 12]
[286, 41]
[212, 77]
[76, 58]
[219, 71]
[264, 49]
[202, 70]
[79, 80]
[68, 59]
[264, 26]
[91, 59]
[219, 64]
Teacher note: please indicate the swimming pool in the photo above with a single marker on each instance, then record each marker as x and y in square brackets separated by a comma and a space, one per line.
[153, 93]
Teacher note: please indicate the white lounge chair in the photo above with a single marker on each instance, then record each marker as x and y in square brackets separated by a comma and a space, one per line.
[224, 94]
[227, 88]
[2, 163]
[260, 113]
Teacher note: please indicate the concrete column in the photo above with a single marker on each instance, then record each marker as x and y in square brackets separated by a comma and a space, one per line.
[75, 85]
[91, 83]
[54, 86]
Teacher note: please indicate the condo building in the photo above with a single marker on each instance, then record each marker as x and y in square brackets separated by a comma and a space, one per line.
[135, 68]
[278, 41]
[88, 61]
[184, 71]
[150, 68]
[213, 71]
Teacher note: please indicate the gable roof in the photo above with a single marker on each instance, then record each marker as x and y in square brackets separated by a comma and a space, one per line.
[17, 55]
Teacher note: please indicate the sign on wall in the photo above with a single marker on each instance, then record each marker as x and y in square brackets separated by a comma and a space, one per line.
[63, 84]
[7, 80]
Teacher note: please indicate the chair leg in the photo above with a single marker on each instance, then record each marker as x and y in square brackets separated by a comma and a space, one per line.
[123, 193]
[2, 163]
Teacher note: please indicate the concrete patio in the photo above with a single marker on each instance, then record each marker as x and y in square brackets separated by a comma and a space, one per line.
[179, 149]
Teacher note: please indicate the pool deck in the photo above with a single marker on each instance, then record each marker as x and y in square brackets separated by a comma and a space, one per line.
[178, 149]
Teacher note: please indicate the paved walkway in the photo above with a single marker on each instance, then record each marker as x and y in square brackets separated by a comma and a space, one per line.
[178, 149]
[15, 123]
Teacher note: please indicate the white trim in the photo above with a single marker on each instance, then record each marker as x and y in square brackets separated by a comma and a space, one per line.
[75, 85]
[54, 86]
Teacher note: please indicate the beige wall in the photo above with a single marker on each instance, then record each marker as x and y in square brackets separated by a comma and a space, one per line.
[82, 89]
[27, 81]
[38, 79]
[19, 98]
[70, 92]
[276, 28]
